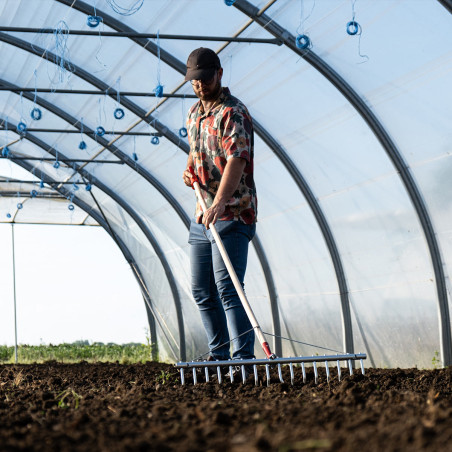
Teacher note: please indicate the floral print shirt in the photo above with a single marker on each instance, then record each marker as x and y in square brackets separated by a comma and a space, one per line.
[224, 132]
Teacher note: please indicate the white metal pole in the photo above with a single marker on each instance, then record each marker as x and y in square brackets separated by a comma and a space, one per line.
[14, 287]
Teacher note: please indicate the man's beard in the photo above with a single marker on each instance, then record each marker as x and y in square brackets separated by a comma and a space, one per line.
[211, 94]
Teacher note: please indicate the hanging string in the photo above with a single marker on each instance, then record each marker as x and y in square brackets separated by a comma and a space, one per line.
[70, 198]
[300, 29]
[56, 165]
[230, 71]
[159, 88]
[82, 144]
[135, 156]
[5, 150]
[183, 131]
[35, 113]
[22, 126]
[61, 59]
[119, 112]
[100, 131]
[94, 21]
[118, 9]
[154, 140]
[353, 28]
[302, 40]
[19, 204]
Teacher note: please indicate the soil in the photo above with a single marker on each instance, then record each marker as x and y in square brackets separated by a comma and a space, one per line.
[143, 407]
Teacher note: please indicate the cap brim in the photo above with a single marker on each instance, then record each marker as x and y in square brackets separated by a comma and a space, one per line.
[200, 74]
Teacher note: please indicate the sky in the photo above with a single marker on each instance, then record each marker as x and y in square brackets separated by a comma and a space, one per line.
[72, 283]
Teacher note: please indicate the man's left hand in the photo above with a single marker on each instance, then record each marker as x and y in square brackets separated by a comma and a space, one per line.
[213, 213]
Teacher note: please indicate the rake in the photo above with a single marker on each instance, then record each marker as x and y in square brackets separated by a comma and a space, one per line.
[272, 359]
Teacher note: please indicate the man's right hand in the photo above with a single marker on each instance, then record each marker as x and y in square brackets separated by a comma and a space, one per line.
[186, 176]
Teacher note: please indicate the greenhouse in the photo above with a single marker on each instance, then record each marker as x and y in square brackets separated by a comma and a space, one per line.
[351, 107]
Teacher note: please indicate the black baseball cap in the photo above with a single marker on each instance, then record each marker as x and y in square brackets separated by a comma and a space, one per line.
[202, 64]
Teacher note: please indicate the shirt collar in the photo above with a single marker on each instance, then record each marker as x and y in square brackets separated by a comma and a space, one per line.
[225, 93]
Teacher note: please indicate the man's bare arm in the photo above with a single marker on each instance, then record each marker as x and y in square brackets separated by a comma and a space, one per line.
[228, 185]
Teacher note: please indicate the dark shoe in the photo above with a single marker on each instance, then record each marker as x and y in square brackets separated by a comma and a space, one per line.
[212, 372]
[240, 373]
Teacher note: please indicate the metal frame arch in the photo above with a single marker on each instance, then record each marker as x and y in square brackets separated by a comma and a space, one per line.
[392, 152]
[181, 144]
[277, 343]
[148, 234]
[287, 162]
[347, 328]
[264, 263]
[447, 4]
[112, 149]
[119, 26]
[99, 218]
[177, 207]
[75, 123]
[99, 84]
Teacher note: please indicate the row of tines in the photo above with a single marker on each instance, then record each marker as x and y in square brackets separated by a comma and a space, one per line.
[242, 375]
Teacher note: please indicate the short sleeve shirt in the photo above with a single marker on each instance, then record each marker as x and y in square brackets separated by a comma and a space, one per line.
[224, 132]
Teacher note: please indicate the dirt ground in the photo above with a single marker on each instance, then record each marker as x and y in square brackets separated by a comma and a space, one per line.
[115, 407]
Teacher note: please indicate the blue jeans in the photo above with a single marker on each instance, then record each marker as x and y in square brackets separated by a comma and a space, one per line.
[214, 291]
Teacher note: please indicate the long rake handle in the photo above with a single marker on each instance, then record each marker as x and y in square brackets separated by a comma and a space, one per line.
[233, 274]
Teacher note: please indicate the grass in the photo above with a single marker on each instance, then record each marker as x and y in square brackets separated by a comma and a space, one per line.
[76, 352]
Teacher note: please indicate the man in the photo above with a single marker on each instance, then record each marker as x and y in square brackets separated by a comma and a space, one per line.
[220, 133]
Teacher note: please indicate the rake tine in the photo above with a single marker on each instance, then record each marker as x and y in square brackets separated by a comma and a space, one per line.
[304, 372]
[327, 372]
[195, 380]
[206, 373]
[362, 366]
[316, 375]
[350, 366]
[231, 374]
[291, 373]
[256, 377]
[338, 370]
[219, 374]
[267, 372]
[280, 374]
[243, 374]
[182, 376]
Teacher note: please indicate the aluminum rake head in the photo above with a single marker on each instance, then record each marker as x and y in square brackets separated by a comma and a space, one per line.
[241, 369]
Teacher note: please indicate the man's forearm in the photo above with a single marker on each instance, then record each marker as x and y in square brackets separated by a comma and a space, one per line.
[228, 185]
[230, 179]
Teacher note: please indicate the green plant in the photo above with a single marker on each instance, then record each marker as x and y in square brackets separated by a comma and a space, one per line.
[164, 377]
[436, 361]
[78, 351]
[64, 398]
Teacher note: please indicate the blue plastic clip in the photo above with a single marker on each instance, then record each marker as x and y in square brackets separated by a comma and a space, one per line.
[93, 21]
[302, 42]
[36, 114]
[119, 113]
[158, 91]
[352, 28]
[100, 131]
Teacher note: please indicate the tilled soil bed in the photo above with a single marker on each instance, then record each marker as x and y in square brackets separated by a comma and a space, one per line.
[143, 407]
